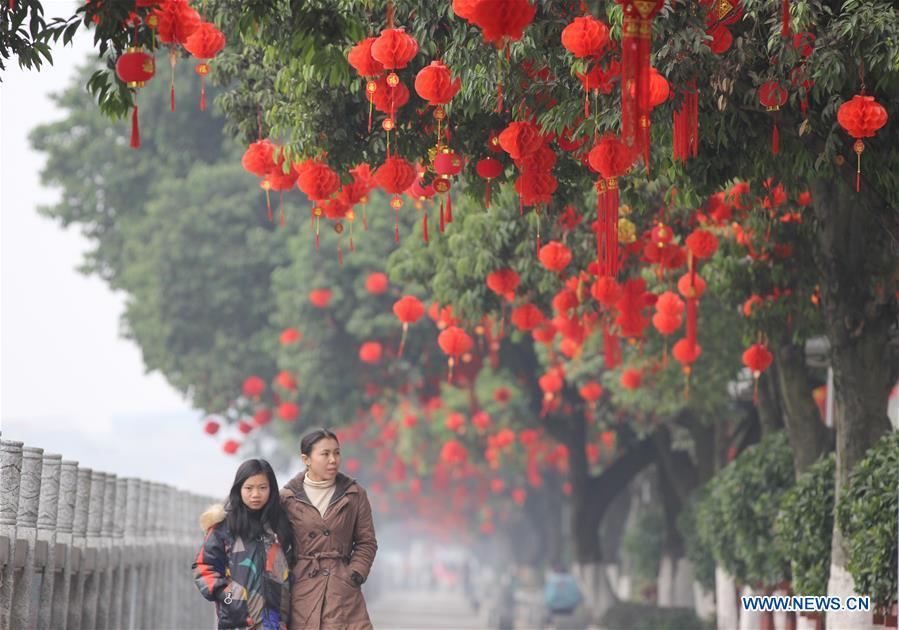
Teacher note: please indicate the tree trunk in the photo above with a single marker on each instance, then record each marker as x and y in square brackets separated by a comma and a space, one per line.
[809, 438]
[769, 403]
[853, 251]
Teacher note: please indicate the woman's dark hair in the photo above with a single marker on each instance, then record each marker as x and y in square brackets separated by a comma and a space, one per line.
[247, 523]
[311, 439]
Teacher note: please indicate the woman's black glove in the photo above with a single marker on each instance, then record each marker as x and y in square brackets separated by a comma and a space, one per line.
[357, 578]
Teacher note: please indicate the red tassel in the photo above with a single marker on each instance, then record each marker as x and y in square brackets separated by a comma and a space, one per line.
[172, 97]
[686, 127]
[424, 228]
[785, 30]
[135, 129]
[339, 256]
[487, 198]
[202, 94]
[370, 106]
[317, 241]
[268, 204]
[442, 217]
[282, 208]
[586, 103]
[396, 227]
[352, 245]
[775, 140]
[692, 311]
[449, 208]
[538, 246]
[520, 206]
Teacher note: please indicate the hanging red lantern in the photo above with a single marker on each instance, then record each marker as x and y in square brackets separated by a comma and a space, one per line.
[395, 176]
[454, 342]
[318, 181]
[555, 256]
[551, 383]
[320, 298]
[204, 43]
[536, 188]
[408, 309]
[435, 84]
[540, 161]
[230, 446]
[631, 378]
[527, 317]
[502, 21]
[253, 387]
[503, 281]
[861, 117]
[135, 68]
[278, 180]
[636, 45]
[370, 352]
[453, 452]
[259, 158]
[520, 139]
[722, 39]
[489, 169]
[669, 310]
[611, 158]
[394, 49]
[174, 22]
[211, 427]
[376, 283]
[659, 90]
[262, 417]
[585, 37]
[773, 96]
[606, 291]
[286, 380]
[361, 59]
[288, 411]
[447, 163]
[758, 359]
[591, 391]
[290, 336]
[701, 243]
[389, 97]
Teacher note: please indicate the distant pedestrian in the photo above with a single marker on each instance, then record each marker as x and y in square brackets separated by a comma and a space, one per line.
[244, 563]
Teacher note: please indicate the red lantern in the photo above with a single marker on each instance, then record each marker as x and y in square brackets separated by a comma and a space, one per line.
[447, 163]
[361, 59]
[758, 359]
[435, 84]
[722, 39]
[135, 68]
[454, 342]
[772, 95]
[320, 298]
[503, 281]
[527, 317]
[244, 427]
[610, 158]
[591, 391]
[230, 446]
[551, 383]
[659, 90]
[631, 378]
[370, 352]
[253, 387]
[702, 244]
[204, 43]
[288, 412]
[408, 310]
[536, 188]
[286, 380]
[555, 256]
[585, 37]
[686, 355]
[395, 175]
[318, 181]
[502, 21]
[861, 117]
[394, 49]
[211, 427]
[540, 161]
[489, 169]
[376, 283]
[174, 21]
[520, 139]
[262, 417]
[259, 158]
[453, 452]
[389, 97]
[606, 291]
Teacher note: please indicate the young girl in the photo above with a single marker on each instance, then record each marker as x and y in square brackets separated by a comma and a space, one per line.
[244, 563]
[331, 517]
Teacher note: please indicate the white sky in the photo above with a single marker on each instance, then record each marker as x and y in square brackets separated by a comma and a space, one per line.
[68, 382]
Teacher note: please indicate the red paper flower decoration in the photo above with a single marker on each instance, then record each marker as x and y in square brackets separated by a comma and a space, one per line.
[585, 37]
[395, 175]
[362, 61]
[435, 84]
[175, 21]
[555, 256]
[394, 49]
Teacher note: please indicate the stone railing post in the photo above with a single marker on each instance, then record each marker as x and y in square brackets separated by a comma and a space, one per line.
[104, 555]
[63, 555]
[91, 564]
[117, 564]
[79, 539]
[26, 535]
[45, 552]
[10, 479]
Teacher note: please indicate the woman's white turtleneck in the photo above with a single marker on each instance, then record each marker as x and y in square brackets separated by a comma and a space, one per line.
[319, 492]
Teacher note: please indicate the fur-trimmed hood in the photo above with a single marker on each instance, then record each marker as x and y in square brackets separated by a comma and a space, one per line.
[213, 515]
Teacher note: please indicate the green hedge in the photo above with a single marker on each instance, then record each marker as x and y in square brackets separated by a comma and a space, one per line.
[736, 517]
[866, 516]
[804, 527]
[642, 544]
[698, 553]
[630, 616]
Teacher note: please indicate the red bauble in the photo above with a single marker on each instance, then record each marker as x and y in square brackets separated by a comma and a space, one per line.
[503, 281]
[611, 157]
[489, 168]
[502, 20]
[318, 181]
[320, 298]
[447, 164]
[591, 391]
[394, 49]
[691, 286]
[211, 427]
[607, 291]
[772, 95]
[454, 341]
[536, 188]
[408, 309]
[631, 378]
[520, 138]
[683, 354]
[259, 158]
[389, 98]
[175, 21]
[585, 37]
[555, 256]
[205, 42]
[757, 358]
[376, 283]
[702, 244]
[527, 317]
[286, 380]
[360, 58]
[435, 84]
[135, 67]
[370, 352]
[862, 116]
[253, 387]
[288, 411]
[395, 175]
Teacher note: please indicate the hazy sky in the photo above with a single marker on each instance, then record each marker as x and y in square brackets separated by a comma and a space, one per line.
[68, 382]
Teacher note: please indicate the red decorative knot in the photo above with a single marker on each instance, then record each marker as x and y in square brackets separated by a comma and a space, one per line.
[338, 227]
[317, 211]
[393, 79]
[388, 124]
[371, 87]
[396, 203]
[202, 69]
[441, 184]
[439, 113]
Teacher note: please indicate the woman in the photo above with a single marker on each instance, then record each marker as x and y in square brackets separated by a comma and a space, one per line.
[331, 517]
[244, 563]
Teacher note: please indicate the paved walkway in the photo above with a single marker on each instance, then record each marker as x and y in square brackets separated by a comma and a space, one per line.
[428, 610]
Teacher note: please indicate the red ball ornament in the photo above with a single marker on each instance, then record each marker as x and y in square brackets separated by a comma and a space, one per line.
[585, 37]
[318, 181]
[527, 317]
[555, 256]
[502, 21]
[288, 411]
[520, 139]
[447, 163]
[757, 358]
[394, 49]
[610, 157]
[259, 158]
[395, 175]
[434, 84]
[861, 117]
[253, 387]
[362, 61]
[376, 283]
[503, 281]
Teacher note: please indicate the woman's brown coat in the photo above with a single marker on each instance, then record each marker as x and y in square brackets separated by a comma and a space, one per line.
[323, 595]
